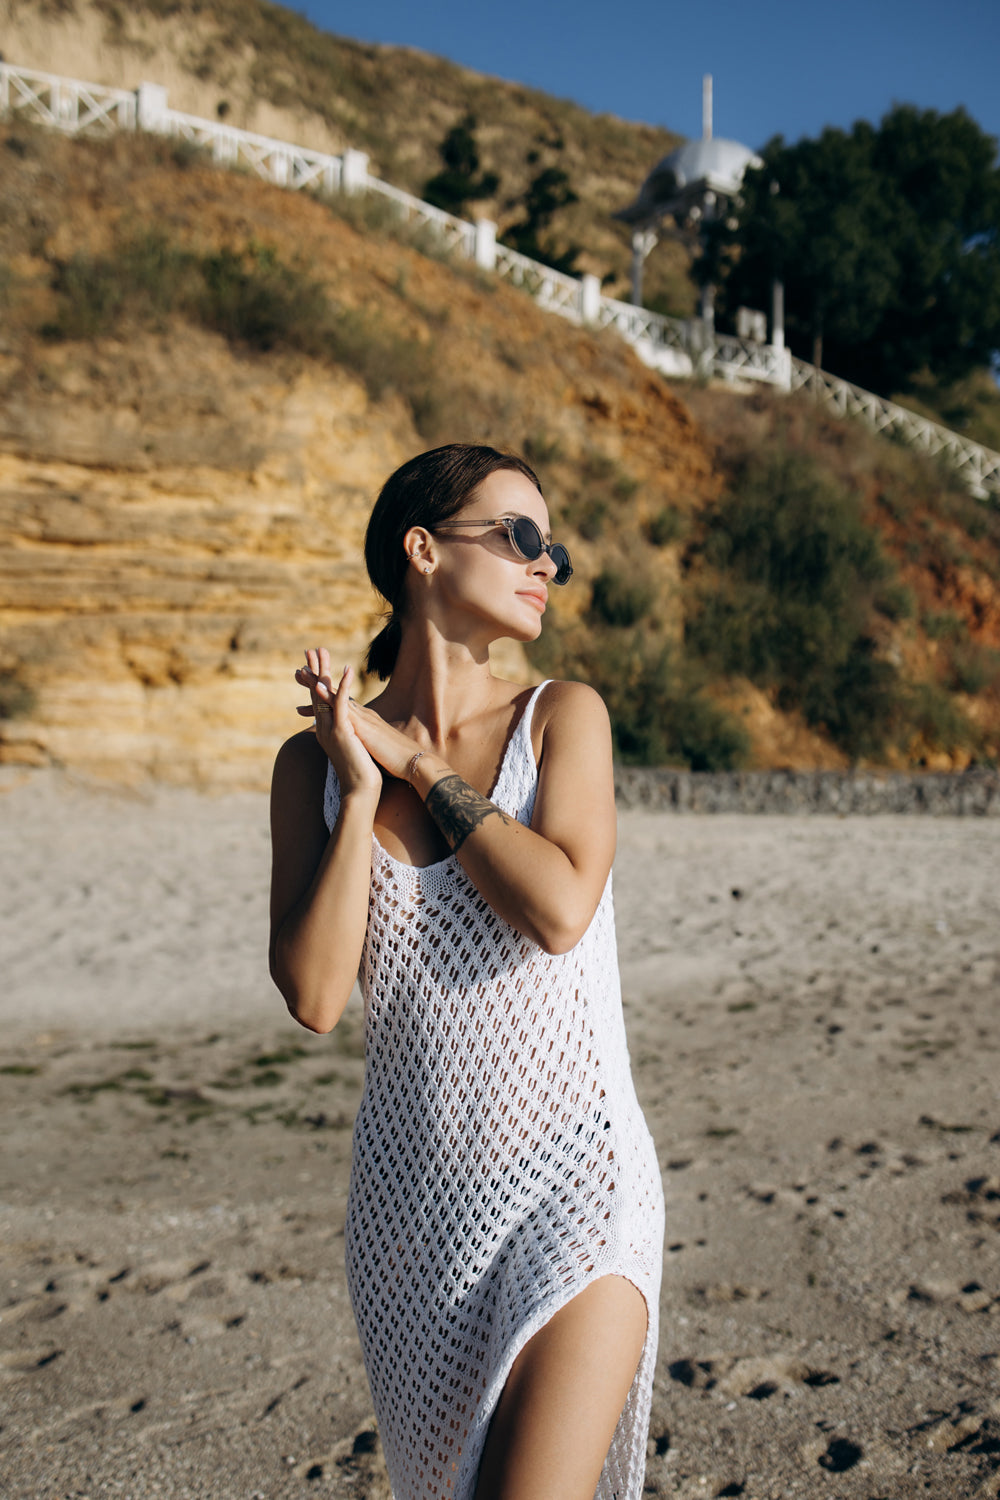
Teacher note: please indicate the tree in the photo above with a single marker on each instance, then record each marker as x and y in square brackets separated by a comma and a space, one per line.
[457, 183]
[887, 240]
[548, 192]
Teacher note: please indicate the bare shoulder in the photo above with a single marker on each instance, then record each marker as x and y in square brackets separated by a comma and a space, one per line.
[562, 703]
[570, 713]
[300, 769]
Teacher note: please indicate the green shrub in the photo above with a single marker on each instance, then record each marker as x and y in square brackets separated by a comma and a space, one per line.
[620, 599]
[251, 297]
[588, 515]
[944, 625]
[896, 601]
[795, 577]
[973, 668]
[659, 713]
[938, 720]
[666, 526]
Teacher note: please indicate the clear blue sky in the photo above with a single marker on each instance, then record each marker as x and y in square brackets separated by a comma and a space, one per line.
[784, 67]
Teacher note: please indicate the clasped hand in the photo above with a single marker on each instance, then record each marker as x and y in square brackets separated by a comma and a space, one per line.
[357, 740]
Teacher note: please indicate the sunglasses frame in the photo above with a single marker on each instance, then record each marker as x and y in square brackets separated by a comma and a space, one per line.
[564, 569]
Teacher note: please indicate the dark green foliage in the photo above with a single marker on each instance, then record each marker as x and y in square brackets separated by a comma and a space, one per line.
[666, 719]
[794, 569]
[548, 192]
[936, 719]
[666, 526]
[588, 515]
[896, 601]
[797, 579]
[660, 714]
[944, 625]
[458, 183]
[888, 241]
[620, 598]
[973, 668]
[250, 297]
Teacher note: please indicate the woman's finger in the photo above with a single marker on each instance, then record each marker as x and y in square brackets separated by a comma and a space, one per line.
[342, 699]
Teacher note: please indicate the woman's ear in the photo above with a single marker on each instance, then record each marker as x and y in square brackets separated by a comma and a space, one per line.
[418, 544]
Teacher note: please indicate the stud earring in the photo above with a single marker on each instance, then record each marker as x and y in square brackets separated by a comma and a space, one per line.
[427, 567]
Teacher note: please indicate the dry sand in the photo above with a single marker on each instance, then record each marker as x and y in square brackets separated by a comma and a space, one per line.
[812, 1008]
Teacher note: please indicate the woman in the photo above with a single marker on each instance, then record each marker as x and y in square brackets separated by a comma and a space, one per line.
[454, 840]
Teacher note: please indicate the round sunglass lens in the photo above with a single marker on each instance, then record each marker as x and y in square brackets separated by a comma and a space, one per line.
[527, 538]
[564, 568]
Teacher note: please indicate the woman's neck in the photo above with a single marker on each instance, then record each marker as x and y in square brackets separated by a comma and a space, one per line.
[438, 684]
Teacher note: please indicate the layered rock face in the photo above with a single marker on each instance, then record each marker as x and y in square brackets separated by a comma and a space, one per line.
[155, 613]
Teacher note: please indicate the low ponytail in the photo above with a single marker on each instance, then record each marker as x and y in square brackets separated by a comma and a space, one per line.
[384, 649]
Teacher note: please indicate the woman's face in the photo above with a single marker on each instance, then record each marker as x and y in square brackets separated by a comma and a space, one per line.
[478, 571]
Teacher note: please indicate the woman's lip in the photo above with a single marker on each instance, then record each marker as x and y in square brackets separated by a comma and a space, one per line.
[540, 599]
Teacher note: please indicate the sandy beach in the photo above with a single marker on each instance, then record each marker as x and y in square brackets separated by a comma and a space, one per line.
[812, 1006]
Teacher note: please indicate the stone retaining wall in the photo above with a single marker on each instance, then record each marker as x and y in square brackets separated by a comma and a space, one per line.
[973, 793]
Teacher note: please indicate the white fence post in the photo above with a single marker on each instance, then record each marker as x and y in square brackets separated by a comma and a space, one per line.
[354, 172]
[590, 298]
[150, 106]
[783, 365]
[486, 244]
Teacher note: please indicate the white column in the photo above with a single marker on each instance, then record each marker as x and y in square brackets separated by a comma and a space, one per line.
[485, 254]
[590, 298]
[643, 243]
[150, 106]
[354, 172]
[778, 313]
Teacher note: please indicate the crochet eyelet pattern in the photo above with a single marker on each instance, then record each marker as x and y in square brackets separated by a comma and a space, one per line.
[500, 1159]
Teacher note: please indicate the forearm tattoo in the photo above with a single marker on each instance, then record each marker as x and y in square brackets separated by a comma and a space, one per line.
[458, 809]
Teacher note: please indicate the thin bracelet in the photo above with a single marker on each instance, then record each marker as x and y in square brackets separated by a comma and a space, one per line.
[411, 765]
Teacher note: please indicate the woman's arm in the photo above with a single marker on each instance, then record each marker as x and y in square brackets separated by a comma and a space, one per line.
[546, 880]
[320, 882]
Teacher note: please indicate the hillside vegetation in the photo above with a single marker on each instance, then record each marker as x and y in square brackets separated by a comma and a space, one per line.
[265, 68]
[204, 381]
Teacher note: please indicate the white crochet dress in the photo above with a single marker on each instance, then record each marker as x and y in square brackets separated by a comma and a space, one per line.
[501, 1161]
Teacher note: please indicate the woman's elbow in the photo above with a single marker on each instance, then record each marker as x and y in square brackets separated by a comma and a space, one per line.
[562, 931]
[316, 1011]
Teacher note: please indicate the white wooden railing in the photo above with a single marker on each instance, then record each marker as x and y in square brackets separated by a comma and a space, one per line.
[979, 466]
[676, 346]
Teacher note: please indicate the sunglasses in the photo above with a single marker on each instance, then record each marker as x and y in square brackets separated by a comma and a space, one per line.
[526, 540]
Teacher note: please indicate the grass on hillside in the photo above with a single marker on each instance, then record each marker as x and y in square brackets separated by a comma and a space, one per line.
[250, 296]
[398, 103]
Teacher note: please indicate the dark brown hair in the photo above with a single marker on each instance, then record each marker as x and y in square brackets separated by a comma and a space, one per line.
[428, 489]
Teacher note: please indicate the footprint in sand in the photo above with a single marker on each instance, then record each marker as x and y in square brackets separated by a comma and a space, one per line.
[756, 1378]
[357, 1460]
